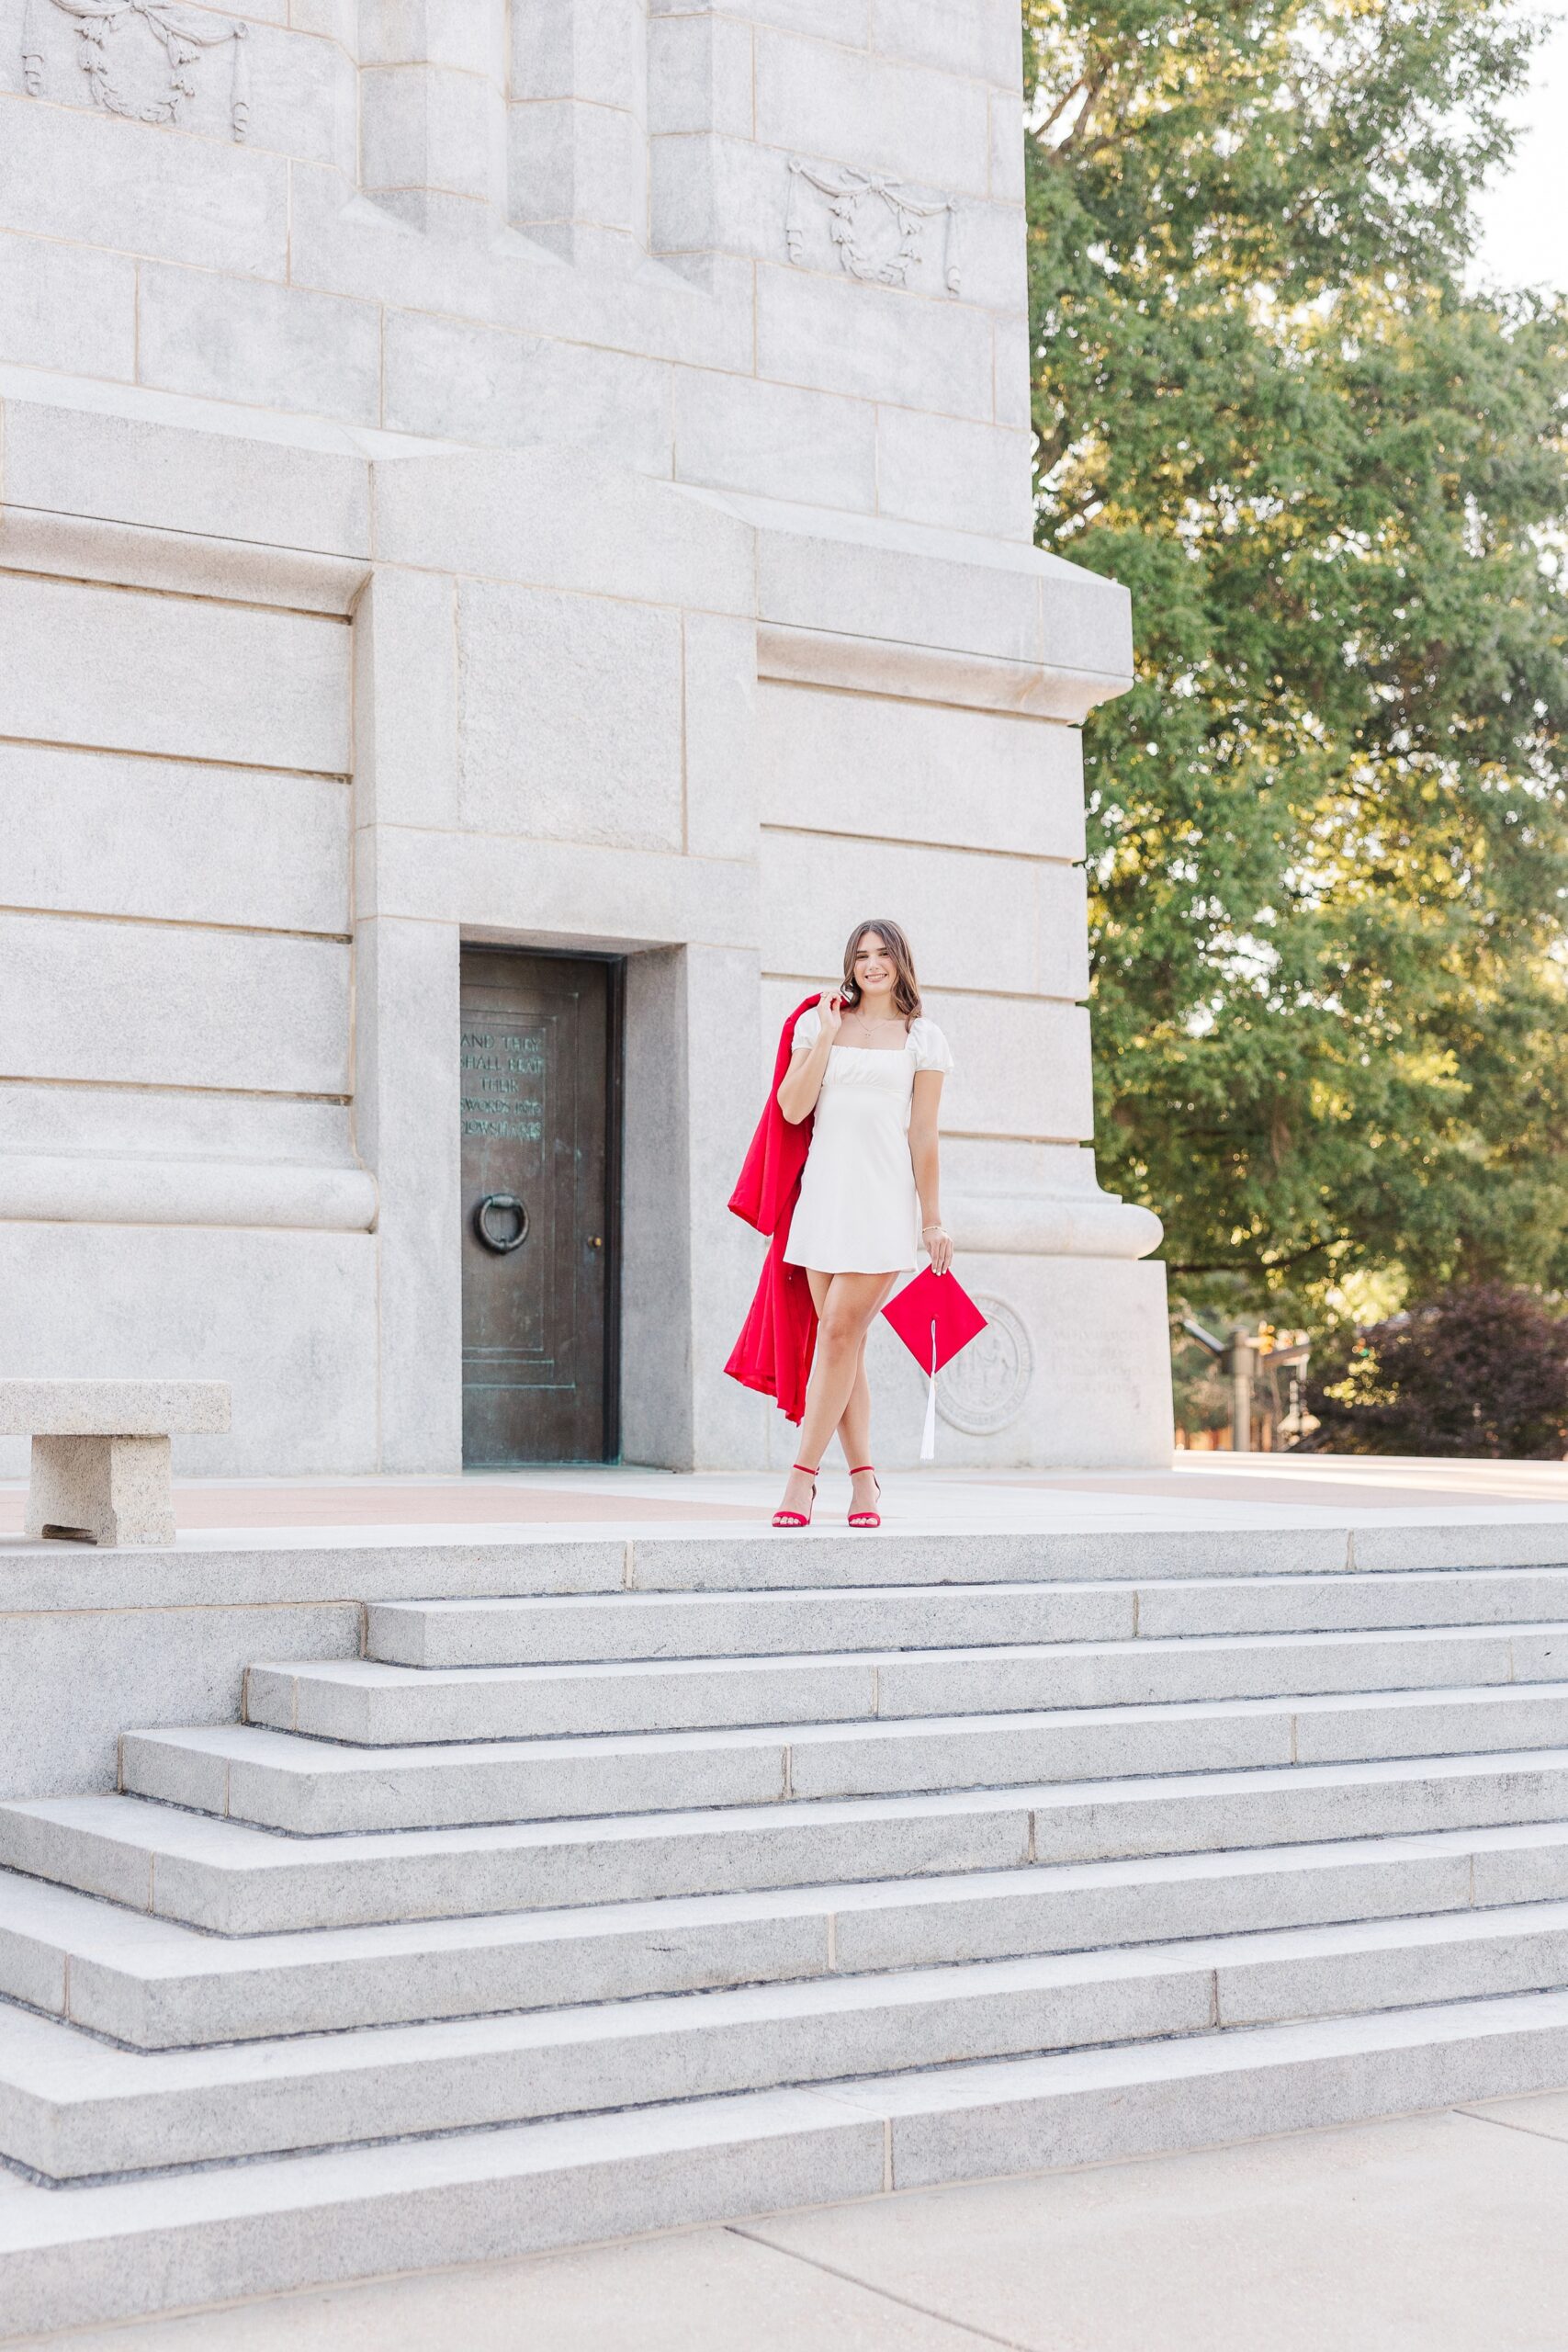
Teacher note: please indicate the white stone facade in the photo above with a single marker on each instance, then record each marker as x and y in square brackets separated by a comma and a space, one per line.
[552, 474]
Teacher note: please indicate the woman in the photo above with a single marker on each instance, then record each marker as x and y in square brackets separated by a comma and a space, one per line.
[866, 1068]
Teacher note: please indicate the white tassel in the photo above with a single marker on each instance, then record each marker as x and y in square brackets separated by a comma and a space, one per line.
[928, 1439]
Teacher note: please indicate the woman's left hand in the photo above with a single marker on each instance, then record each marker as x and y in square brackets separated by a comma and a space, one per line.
[936, 1239]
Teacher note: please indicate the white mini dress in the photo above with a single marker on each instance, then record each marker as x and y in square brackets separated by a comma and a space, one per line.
[858, 1212]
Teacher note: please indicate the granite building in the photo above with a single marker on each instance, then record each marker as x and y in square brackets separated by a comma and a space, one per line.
[516, 532]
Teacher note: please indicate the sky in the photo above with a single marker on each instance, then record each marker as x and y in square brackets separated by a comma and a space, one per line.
[1525, 217]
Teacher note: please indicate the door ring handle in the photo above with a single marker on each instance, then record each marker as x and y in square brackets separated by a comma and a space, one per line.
[503, 1204]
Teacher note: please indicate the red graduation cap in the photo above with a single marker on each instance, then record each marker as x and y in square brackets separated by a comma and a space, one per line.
[935, 1317]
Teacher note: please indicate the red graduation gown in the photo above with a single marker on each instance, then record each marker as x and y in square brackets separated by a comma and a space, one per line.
[778, 1338]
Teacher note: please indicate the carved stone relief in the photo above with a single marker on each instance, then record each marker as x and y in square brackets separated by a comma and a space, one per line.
[984, 1388]
[141, 57]
[879, 226]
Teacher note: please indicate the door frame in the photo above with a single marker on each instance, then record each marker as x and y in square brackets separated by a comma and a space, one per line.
[614, 1109]
[614, 1101]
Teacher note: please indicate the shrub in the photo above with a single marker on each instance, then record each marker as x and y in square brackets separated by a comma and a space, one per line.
[1480, 1369]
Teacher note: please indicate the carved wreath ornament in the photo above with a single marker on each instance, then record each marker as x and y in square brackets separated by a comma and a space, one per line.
[117, 77]
[984, 1388]
[879, 224]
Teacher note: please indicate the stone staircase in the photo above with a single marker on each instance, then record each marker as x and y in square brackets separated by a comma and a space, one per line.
[802, 1868]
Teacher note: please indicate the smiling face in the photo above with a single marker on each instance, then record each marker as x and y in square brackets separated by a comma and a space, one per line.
[872, 967]
[879, 971]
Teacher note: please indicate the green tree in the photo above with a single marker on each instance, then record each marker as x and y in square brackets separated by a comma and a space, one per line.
[1328, 826]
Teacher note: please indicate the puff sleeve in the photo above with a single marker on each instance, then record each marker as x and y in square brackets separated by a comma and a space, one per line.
[807, 1029]
[932, 1048]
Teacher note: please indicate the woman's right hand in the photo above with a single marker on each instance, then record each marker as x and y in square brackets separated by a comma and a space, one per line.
[830, 1010]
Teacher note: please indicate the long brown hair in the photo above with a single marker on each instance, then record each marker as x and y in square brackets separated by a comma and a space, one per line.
[900, 955]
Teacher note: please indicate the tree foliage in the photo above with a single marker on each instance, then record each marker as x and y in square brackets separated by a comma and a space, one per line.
[1329, 829]
[1482, 1370]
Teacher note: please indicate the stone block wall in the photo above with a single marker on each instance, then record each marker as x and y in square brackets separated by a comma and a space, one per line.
[374, 232]
[553, 474]
[176, 968]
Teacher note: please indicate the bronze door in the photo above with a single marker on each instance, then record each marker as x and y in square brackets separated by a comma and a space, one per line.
[539, 1054]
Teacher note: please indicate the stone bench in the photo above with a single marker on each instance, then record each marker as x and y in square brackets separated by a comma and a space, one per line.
[100, 1457]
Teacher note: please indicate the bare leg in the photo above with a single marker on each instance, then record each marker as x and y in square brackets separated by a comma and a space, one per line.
[845, 1305]
[854, 1421]
[855, 1424]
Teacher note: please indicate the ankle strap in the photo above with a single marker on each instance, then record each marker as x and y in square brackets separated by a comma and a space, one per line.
[860, 1469]
[805, 1469]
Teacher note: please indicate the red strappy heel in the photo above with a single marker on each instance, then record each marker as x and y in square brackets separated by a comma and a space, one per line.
[866, 1518]
[795, 1518]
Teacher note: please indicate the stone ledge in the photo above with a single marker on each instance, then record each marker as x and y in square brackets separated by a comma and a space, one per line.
[122, 454]
[192, 563]
[45, 1189]
[113, 1407]
[883, 665]
[1047, 1225]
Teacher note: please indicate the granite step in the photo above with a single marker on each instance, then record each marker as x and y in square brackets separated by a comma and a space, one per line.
[1351, 1602]
[600, 1627]
[790, 1620]
[312, 1787]
[73, 2107]
[108, 2252]
[233, 1879]
[828, 1556]
[158, 1984]
[367, 1703]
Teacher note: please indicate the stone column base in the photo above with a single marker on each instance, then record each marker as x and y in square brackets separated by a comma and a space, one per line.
[102, 1489]
[1074, 1373]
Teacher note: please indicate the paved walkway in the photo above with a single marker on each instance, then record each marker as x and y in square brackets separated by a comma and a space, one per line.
[1199, 1492]
[1436, 2233]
